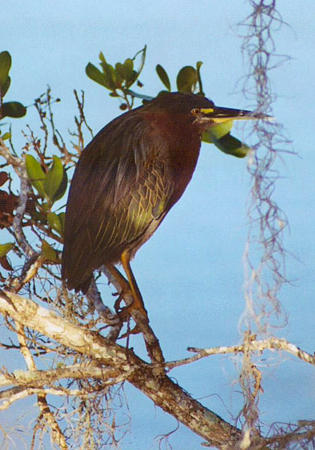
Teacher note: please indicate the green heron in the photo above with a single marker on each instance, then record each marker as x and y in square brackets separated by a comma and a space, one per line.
[128, 178]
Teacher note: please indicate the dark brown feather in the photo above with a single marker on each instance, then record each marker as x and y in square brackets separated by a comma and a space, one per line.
[127, 179]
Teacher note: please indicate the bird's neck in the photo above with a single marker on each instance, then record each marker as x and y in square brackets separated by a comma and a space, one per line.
[180, 140]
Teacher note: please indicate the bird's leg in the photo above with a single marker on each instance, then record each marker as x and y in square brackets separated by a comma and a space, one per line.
[124, 294]
[137, 303]
[141, 320]
[111, 319]
[124, 291]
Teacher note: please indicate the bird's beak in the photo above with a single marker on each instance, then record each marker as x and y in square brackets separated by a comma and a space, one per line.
[219, 114]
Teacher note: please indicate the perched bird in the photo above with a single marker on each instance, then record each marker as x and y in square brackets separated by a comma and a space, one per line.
[128, 178]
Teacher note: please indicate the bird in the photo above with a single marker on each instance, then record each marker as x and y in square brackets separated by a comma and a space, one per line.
[128, 178]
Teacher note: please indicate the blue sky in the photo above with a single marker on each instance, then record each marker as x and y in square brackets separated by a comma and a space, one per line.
[191, 271]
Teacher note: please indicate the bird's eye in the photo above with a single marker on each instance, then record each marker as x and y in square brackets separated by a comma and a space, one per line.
[195, 111]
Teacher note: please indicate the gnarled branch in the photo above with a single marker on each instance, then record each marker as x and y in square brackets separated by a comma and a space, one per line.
[164, 392]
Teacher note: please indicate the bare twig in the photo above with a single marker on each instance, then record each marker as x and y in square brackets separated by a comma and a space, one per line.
[254, 346]
[19, 214]
[286, 435]
[82, 119]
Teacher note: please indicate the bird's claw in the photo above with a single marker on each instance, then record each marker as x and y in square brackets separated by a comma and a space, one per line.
[125, 312]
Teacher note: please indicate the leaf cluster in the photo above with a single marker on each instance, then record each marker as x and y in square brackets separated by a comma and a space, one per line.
[47, 182]
[51, 184]
[120, 77]
[12, 108]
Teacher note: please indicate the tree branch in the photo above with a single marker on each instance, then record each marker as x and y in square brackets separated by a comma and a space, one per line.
[164, 392]
[10, 396]
[272, 343]
[77, 371]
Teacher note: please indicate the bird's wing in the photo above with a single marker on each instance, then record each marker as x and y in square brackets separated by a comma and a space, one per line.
[119, 194]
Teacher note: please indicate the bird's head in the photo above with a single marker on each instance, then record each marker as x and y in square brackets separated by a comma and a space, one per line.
[202, 111]
[196, 114]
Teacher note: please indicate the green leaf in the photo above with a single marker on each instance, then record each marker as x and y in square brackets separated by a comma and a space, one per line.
[232, 146]
[103, 62]
[124, 72]
[102, 57]
[50, 253]
[163, 76]
[120, 73]
[36, 174]
[62, 218]
[128, 69]
[55, 222]
[95, 74]
[143, 53]
[5, 87]
[133, 75]
[109, 73]
[13, 109]
[5, 136]
[198, 66]
[109, 76]
[112, 77]
[186, 79]
[217, 131]
[220, 136]
[5, 65]
[63, 186]
[5, 248]
[54, 179]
